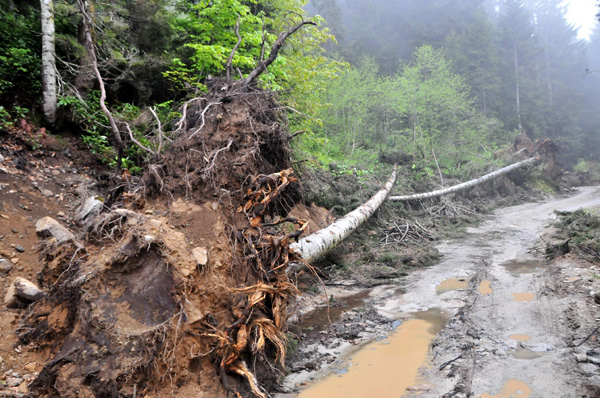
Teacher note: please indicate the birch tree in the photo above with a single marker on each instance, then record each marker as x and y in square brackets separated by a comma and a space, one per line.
[49, 102]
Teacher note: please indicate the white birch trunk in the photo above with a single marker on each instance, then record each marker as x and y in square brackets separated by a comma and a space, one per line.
[321, 242]
[464, 185]
[49, 102]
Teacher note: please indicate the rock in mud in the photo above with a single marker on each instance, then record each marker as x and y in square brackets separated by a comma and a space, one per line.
[22, 291]
[14, 381]
[581, 358]
[49, 227]
[5, 266]
[20, 249]
[90, 207]
[597, 298]
[27, 290]
[200, 255]
[47, 193]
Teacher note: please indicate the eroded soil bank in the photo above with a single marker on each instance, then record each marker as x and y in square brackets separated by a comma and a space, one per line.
[517, 328]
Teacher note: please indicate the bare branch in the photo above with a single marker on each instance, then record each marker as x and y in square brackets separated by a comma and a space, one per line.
[262, 66]
[296, 133]
[160, 132]
[182, 123]
[230, 60]
[136, 142]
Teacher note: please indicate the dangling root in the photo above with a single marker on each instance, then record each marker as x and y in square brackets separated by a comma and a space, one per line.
[261, 313]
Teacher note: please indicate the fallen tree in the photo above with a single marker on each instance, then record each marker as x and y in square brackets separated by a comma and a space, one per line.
[323, 241]
[465, 185]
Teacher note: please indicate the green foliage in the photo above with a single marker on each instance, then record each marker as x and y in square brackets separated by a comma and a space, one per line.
[5, 118]
[206, 31]
[425, 110]
[20, 59]
[89, 115]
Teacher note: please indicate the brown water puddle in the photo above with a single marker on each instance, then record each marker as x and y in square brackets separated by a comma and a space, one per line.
[524, 353]
[523, 266]
[512, 389]
[318, 320]
[485, 288]
[386, 368]
[519, 337]
[452, 284]
[523, 296]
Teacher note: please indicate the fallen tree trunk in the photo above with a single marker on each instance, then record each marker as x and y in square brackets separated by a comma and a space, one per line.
[321, 242]
[464, 185]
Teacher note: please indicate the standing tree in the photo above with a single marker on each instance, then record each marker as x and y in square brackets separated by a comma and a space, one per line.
[49, 103]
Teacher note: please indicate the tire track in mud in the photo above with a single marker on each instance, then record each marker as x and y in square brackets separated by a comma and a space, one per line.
[494, 346]
[513, 342]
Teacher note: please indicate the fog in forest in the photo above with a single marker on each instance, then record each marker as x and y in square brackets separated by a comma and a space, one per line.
[521, 60]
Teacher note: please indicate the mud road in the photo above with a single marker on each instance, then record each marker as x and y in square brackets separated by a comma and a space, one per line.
[492, 319]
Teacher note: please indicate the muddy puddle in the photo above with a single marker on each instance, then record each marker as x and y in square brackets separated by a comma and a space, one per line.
[524, 353]
[485, 288]
[524, 266]
[519, 337]
[512, 389]
[529, 296]
[319, 318]
[452, 284]
[384, 368]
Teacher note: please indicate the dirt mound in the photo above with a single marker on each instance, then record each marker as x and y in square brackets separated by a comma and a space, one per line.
[187, 294]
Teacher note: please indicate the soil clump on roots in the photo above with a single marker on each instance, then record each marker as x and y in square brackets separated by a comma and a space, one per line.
[180, 287]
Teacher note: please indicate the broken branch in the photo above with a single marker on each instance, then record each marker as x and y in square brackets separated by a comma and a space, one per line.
[262, 66]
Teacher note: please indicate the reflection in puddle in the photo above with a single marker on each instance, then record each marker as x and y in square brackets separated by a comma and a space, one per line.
[512, 389]
[524, 266]
[386, 368]
[523, 296]
[317, 320]
[485, 288]
[519, 337]
[524, 353]
[452, 284]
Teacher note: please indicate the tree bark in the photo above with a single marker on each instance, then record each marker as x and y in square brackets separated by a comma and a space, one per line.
[49, 101]
[464, 185]
[323, 241]
[517, 91]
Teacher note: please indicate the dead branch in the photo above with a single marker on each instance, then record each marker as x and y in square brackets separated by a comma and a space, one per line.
[89, 45]
[136, 142]
[449, 362]
[588, 336]
[406, 232]
[230, 60]
[182, 123]
[262, 66]
[160, 132]
[296, 133]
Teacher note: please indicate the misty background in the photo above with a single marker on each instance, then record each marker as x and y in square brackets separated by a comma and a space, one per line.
[521, 60]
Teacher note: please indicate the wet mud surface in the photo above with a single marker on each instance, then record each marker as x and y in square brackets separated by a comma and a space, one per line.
[517, 328]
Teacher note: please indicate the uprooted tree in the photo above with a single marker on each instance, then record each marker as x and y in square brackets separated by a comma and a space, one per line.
[193, 294]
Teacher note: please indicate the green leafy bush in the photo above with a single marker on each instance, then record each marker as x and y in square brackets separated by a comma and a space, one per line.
[20, 58]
